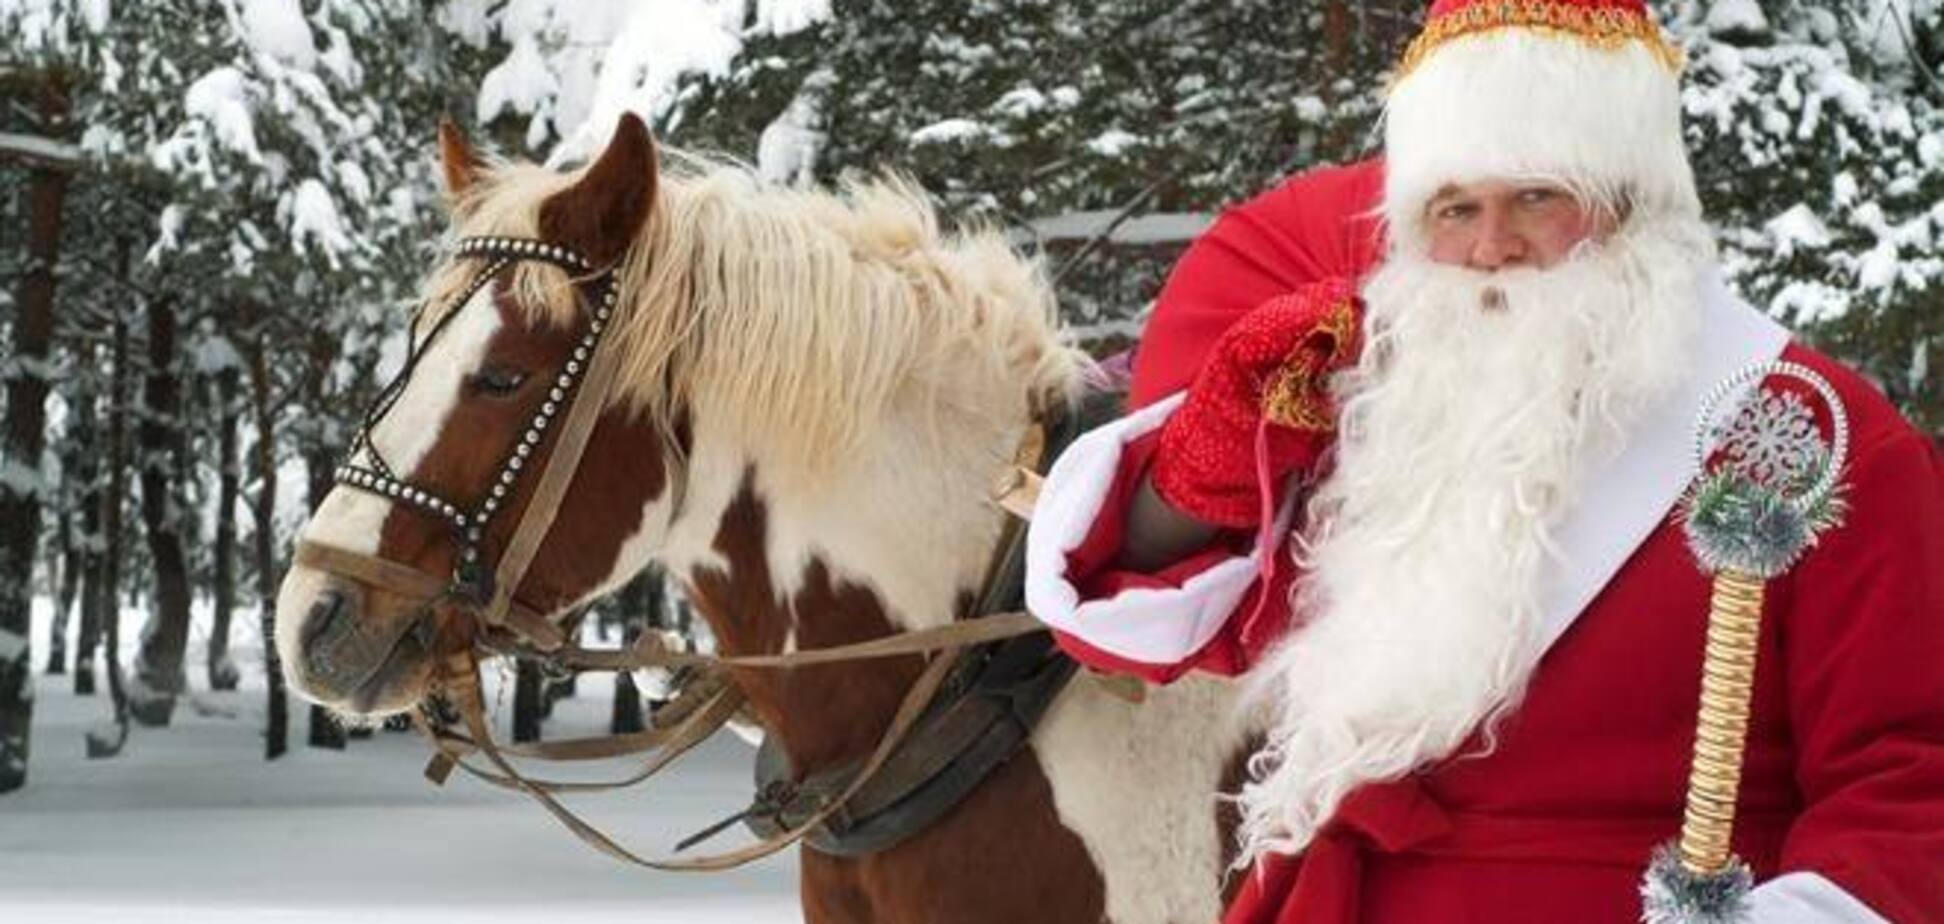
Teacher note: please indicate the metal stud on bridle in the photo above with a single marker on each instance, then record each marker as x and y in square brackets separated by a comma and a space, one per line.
[472, 581]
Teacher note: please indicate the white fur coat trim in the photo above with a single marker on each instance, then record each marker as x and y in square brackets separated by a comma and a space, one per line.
[1149, 626]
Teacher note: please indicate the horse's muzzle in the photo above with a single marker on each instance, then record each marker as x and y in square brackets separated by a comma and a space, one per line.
[355, 658]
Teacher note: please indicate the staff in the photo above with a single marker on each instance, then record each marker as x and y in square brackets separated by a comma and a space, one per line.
[1773, 489]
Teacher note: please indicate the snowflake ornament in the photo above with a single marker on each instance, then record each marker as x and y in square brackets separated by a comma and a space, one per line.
[1773, 440]
[1773, 488]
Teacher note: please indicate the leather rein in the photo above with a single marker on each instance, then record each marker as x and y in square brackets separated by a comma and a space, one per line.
[474, 608]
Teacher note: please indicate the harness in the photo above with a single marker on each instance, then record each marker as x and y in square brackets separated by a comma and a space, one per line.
[964, 716]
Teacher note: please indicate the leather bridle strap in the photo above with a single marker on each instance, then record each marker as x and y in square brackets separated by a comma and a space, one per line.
[669, 743]
[461, 675]
[590, 398]
[413, 584]
[650, 652]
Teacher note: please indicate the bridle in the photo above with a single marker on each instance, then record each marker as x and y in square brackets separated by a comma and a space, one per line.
[581, 389]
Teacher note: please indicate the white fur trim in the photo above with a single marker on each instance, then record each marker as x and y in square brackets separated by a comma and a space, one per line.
[1807, 898]
[1150, 626]
[1515, 103]
[1625, 498]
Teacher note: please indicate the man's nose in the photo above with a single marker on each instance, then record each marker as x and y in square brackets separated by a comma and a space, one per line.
[1499, 245]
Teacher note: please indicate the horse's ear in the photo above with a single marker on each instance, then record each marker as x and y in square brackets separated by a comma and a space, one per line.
[601, 214]
[462, 165]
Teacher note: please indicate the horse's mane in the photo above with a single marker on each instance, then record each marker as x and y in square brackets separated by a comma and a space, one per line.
[804, 315]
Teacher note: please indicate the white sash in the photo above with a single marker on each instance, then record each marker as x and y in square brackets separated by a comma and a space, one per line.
[1626, 497]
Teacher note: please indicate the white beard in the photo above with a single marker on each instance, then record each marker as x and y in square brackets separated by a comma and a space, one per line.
[1463, 431]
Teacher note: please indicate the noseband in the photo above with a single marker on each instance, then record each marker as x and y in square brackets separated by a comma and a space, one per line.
[579, 388]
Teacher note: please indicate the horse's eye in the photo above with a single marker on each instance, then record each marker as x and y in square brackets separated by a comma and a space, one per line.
[496, 381]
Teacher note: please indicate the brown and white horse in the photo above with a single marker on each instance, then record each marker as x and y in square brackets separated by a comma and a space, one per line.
[818, 392]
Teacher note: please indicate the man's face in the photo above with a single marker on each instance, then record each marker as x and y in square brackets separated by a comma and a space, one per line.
[1493, 224]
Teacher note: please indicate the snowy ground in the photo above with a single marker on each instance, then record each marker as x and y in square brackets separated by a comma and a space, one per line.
[190, 823]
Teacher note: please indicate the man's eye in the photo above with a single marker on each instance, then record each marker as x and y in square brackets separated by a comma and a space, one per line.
[497, 381]
[1455, 212]
[1537, 196]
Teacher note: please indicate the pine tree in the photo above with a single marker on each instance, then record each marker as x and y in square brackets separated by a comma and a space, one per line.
[1818, 132]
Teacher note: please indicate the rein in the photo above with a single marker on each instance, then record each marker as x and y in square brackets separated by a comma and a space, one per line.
[475, 608]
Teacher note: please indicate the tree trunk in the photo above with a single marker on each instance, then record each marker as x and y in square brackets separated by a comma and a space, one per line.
[157, 677]
[223, 674]
[70, 571]
[109, 593]
[263, 459]
[526, 701]
[640, 609]
[86, 468]
[24, 437]
[626, 716]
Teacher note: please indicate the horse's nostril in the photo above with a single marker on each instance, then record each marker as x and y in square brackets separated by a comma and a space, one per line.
[325, 612]
[327, 616]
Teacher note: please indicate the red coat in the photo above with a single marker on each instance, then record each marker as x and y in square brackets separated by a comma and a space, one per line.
[1844, 778]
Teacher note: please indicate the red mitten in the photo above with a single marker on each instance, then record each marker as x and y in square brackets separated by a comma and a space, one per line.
[1257, 410]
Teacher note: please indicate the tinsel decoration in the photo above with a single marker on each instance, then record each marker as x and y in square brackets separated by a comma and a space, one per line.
[1772, 491]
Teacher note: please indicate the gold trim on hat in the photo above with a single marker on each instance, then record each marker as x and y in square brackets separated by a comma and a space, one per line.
[1602, 28]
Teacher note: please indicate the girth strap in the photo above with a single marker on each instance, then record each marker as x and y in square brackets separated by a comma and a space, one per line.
[983, 716]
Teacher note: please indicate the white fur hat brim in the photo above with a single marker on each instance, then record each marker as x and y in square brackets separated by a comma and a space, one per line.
[1521, 103]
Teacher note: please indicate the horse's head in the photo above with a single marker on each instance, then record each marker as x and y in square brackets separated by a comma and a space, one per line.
[457, 453]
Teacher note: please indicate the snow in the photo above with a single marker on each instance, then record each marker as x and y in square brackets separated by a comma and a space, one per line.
[1736, 16]
[190, 823]
[949, 130]
[1112, 142]
[782, 17]
[214, 354]
[644, 53]
[787, 150]
[1023, 101]
[277, 28]
[221, 99]
[1798, 227]
[355, 182]
[1154, 228]
[17, 478]
[314, 216]
[521, 83]
[34, 147]
[576, 65]
[12, 645]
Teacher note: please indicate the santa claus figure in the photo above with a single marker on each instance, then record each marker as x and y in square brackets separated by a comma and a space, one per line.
[1406, 446]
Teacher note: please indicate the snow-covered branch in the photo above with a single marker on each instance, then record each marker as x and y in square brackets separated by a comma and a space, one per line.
[42, 152]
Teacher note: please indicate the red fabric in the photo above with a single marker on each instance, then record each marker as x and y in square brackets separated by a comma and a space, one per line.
[1288, 238]
[1207, 466]
[1276, 243]
[1323, 885]
[1844, 774]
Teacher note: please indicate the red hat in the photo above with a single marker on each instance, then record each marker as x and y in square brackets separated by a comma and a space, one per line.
[1584, 92]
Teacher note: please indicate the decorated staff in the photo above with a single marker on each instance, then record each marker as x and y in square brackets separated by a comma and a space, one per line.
[1773, 489]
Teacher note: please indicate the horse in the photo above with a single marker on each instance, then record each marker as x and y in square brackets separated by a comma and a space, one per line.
[815, 391]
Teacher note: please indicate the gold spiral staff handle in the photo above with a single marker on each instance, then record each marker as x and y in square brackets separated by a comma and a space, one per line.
[1776, 488]
[1727, 683]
